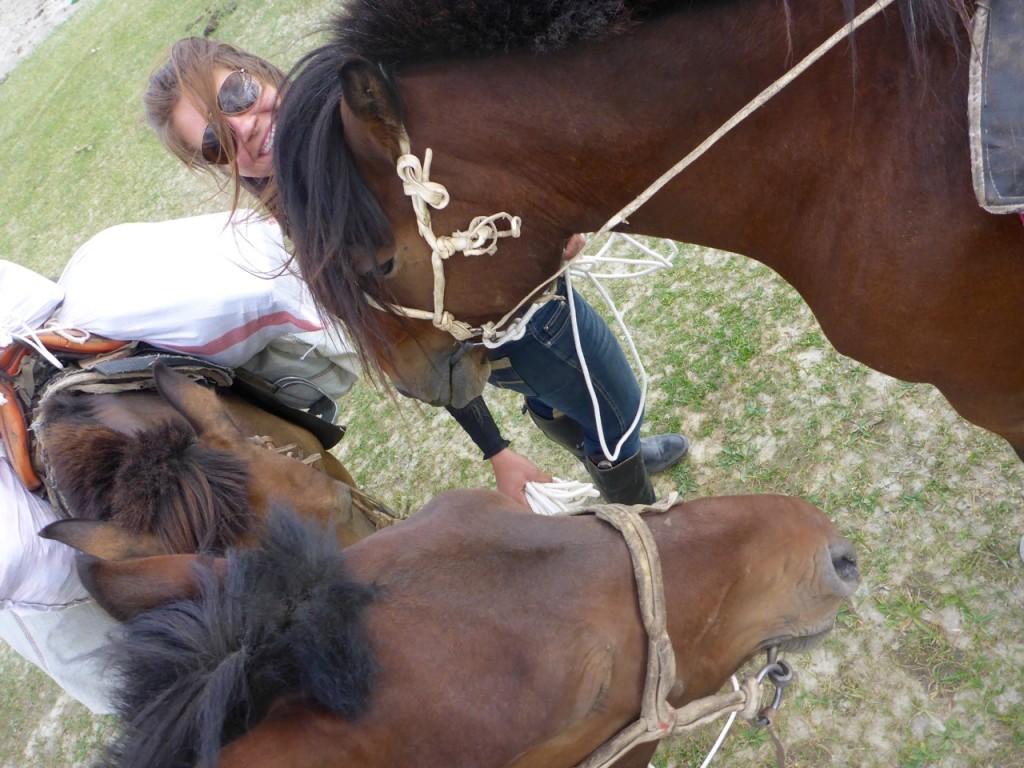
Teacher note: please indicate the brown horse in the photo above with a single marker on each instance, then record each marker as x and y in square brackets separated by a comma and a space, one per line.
[853, 182]
[472, 634]
[189, 468]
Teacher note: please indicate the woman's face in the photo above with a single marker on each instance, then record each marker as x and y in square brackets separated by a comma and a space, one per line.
[253, 130]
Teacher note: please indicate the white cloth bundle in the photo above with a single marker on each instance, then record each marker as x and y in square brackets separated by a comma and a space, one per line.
[214, 286]
[45, 613]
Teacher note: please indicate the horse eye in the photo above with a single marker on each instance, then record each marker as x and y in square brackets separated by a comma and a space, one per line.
[386, 268]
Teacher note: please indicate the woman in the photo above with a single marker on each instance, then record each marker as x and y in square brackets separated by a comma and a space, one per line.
[214, 107]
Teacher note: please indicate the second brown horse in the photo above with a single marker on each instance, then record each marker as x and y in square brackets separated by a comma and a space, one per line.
[472, 635]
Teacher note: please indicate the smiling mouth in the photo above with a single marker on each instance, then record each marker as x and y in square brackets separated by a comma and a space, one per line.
[268, 145]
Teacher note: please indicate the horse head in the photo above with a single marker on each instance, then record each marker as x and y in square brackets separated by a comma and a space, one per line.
[528, 626]
[380, 262]
[274, 478]
[175, 464]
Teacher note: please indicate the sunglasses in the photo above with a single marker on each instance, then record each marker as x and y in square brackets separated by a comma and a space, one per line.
[237, 95]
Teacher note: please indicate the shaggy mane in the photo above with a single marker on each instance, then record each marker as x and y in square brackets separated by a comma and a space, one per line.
[197, 674]
[397, 31]
[392, 31]
[193, 497]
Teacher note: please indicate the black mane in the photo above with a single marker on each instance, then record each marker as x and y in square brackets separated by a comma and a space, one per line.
[195, 675]
[392, 32]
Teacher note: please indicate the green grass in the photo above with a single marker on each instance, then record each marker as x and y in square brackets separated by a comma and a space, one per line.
[925, 666]
[76, 154]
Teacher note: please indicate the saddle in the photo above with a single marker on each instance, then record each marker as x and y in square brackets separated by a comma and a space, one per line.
[996, 105]
[98, 364]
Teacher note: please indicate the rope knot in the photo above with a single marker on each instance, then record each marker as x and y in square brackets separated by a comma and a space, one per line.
[416, 181]
[482, 236]
[459, 330]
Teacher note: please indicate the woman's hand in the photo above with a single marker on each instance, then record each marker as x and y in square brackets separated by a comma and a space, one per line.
[512, 472]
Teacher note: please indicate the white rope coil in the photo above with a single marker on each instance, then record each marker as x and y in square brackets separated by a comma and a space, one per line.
[560, 496]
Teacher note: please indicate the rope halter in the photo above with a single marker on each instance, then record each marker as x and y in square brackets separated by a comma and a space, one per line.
[480, 239]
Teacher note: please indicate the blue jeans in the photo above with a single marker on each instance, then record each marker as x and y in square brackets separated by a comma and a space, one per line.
[544, 367]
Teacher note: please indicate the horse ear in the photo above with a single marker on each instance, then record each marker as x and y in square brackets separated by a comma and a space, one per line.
[198, 405]
[372, 100]
[102, 539]
[126, 573]
[126, 588]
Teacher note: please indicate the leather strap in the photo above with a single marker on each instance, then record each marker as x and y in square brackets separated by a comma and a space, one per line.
[14, 433]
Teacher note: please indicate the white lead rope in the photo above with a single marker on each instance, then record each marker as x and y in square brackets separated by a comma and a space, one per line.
[562, 496]
[586, 267]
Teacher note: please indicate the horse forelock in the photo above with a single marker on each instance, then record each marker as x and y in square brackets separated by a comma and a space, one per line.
[327, 209]
[158, 481]
[197, 674]
[193, 497]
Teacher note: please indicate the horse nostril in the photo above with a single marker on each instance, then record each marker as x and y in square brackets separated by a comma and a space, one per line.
[846, 568]
[844, 561]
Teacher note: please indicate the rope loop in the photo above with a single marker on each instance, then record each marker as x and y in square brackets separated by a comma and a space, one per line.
[559, 496]
[416, 182]
[482, 236]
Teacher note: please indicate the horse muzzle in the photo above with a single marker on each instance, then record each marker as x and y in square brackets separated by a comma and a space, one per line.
[454, 379]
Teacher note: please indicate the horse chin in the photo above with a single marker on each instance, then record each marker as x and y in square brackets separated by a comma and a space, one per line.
[469, 373]
[452, 379]
[805, 641]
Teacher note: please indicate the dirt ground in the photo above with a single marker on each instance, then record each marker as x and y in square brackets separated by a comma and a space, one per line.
[24, 23]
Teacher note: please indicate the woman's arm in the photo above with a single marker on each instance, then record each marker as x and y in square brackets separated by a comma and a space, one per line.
[511, 470]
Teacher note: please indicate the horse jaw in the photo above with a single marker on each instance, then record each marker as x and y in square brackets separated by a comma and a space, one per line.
[453, 377]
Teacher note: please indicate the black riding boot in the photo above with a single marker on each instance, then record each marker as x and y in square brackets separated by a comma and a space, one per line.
[659, 451]
[623, 483]
[561, 429]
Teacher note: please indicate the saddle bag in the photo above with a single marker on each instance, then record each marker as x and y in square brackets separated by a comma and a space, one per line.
[996, 105]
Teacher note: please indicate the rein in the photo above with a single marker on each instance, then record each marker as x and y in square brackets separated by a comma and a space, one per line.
[483, 232]
[659, 719]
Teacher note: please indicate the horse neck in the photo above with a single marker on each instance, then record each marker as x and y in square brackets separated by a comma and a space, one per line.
[580, 133]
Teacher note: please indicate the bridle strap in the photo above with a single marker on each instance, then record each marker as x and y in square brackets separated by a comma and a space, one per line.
[479, 239]
[659, 719]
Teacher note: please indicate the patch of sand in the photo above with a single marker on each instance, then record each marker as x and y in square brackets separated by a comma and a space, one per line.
[26, 23]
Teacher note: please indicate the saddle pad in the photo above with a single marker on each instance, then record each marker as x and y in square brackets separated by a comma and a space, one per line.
[996, 105]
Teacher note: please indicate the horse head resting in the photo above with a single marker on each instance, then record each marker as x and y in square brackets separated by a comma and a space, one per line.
[528, 641]
[174, 464]
[336, 177]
